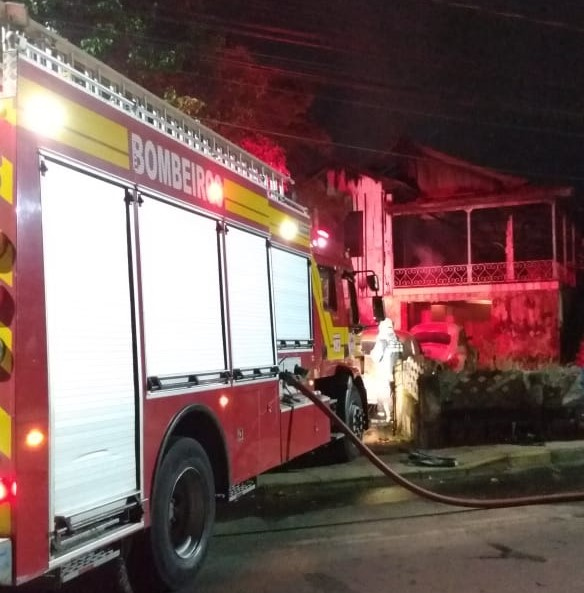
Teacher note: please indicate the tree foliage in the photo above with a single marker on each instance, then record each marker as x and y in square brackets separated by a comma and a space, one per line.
[161, 45]
[265, 109]
[175, 52]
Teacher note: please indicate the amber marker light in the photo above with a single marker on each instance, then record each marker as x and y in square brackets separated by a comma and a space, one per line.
[44, 115]
[288, 229]
[215, 193]
[223, 401]
[35, 438]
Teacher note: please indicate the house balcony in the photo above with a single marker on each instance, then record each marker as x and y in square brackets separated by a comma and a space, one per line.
[485, 273]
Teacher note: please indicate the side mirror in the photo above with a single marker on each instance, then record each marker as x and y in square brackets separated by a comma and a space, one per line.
[373, 282]
[378, 308]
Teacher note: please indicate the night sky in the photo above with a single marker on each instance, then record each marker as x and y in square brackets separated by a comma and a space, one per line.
[497, 82]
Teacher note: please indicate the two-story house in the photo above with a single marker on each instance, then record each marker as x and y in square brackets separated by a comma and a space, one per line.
[454, 241]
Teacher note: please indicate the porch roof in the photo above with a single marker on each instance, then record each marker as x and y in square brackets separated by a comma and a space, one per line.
[520, 196]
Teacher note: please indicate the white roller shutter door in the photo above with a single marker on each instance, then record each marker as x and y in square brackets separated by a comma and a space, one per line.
[89, 340]
[290, 273]
[183, 326]
[252, 340]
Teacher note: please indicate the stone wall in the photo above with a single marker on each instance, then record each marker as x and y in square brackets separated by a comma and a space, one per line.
[407, 381]
[501, 406]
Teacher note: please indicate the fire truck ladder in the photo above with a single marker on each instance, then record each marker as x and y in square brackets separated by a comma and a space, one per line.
[61, 58]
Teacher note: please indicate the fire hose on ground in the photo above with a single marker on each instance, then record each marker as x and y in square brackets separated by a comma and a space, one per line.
[495, 503]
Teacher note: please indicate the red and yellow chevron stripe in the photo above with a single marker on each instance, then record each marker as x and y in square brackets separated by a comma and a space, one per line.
[7, 258]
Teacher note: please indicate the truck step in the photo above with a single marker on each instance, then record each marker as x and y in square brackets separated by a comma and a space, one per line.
[238, 490]
[76, 530]
[85, 563]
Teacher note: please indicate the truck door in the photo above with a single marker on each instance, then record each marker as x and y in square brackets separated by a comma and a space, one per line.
[91, 359]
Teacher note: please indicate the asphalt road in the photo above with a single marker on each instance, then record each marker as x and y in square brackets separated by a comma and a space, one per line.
[408, 546]
[270, 508]
[366, 540]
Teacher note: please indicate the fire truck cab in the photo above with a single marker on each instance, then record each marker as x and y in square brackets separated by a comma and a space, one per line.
[155, 280]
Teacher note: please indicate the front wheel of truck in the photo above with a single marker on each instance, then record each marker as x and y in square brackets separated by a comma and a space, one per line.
[353, 415]
[172, 551]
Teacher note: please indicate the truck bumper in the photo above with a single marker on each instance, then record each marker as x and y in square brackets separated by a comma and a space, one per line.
[5, 562]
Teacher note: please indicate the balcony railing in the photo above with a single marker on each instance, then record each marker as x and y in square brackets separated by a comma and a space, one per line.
[484, 273]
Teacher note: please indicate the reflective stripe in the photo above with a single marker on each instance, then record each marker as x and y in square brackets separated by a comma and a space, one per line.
[5, 519]
[330, 332]
[246, 203]
[5, 434]
[6, 362]
[7, 253]
[6, 179]
[276, 219]
[7, 264]
[257, 208]
[84, 129]
[8, 110]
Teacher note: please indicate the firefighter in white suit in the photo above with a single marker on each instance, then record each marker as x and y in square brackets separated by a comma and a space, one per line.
[385, 354]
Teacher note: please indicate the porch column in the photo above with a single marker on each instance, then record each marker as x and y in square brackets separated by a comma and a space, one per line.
[468, 248]
[573, 244]
[554, 243]
[565, 239]
[388, 262]
[510, 250]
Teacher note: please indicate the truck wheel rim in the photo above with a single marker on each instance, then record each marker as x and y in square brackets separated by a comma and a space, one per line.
[357, 420]
[186, 515]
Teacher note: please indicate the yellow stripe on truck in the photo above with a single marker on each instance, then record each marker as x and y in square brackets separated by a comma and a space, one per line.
[8, 111]
[7, 194]
[276, 219]
[6, 180]
[246, 203]
[5, 519]
[257, 208]
[335, 338]
[6, 362]
[5, 433]
[81, 128]
[6, 450]
[7, 263]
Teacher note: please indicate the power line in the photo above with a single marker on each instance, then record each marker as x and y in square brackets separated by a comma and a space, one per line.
[427, 114]
[516, 16]
[285, 36]
[293, 8]
[367, 149]
[376, 86]
[354, 85]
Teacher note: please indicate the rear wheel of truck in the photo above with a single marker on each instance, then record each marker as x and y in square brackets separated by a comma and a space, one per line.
[353, 415]
[182, 516]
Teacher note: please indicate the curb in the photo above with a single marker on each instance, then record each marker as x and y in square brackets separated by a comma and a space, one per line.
[524, 465]
[361, 473]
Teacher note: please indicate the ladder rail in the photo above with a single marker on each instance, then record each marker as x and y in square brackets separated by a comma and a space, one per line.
[48, 50]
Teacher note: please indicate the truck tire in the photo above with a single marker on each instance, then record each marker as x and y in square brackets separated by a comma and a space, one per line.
[114, 573]
[182, 517]
[353, 415]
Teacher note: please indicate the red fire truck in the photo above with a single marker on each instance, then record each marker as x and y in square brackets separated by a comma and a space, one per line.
[154, 282]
